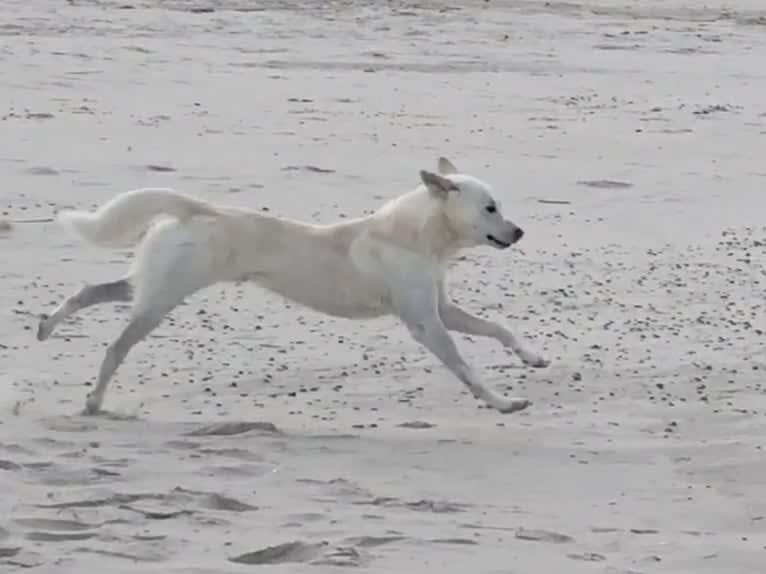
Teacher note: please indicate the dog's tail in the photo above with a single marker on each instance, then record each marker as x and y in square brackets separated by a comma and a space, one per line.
[123, 220]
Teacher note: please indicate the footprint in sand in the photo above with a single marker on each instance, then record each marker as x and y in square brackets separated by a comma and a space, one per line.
[416, 425]
[9, 551]
[232, 428]
[54, 524]
[316, 554]
[341, 556]
[605, 184]
[41, 170]
[215, 501]
[59, 536]
[458, 541]
[282, 553]
[55, 530]
[435, 506]
[587, 557]
[372, 541]
[160, 168]
[543, 536]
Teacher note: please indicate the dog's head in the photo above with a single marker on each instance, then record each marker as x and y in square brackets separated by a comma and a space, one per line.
[473, 213]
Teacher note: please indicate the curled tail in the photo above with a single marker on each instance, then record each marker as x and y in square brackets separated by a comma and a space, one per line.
[122, 221]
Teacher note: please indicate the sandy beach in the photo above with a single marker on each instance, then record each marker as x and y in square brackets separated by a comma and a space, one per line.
[627, 138]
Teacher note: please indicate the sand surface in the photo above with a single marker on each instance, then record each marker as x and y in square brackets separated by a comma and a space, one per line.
[248, 432]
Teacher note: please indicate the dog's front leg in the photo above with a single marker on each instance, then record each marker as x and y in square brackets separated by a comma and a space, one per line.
[435, 337]
[418, 309]
[456, 319]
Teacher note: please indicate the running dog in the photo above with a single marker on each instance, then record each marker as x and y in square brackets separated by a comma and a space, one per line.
[392, 262]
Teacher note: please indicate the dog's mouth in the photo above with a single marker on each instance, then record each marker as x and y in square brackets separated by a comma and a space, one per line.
[495, 241]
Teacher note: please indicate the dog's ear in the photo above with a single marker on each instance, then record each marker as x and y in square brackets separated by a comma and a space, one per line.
[446, 167]
[436, 184]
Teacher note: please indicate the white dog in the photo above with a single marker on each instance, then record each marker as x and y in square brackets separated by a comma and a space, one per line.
[391, 262]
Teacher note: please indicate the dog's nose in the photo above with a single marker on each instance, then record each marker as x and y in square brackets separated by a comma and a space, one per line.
[518, 234]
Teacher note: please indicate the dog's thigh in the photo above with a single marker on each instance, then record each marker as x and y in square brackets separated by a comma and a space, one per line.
[173, 262]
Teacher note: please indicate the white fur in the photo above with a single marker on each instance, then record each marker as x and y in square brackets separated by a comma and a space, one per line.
[389, 263]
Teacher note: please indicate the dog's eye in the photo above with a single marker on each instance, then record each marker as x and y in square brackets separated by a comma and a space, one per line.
[491, 209]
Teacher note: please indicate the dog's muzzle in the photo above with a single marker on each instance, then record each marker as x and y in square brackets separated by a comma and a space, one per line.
[518, 233]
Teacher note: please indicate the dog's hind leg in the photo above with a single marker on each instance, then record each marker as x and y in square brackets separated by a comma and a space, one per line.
[119, 290]
[171, 265]
[138, 329]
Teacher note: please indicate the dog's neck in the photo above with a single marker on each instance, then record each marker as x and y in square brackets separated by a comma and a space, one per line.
[442, 239]
[420, 224]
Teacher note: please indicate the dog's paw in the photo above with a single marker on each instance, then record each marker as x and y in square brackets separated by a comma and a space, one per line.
[509, 406]
[92, 405]
[44, 328]
[535, 360]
